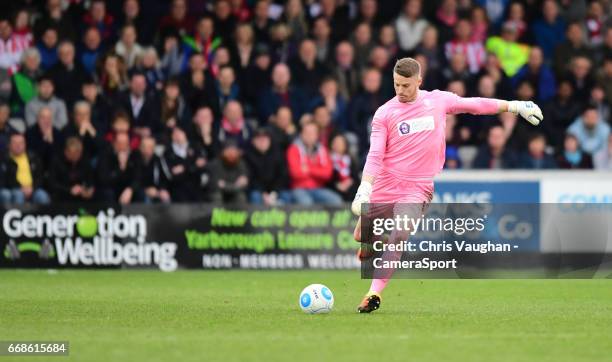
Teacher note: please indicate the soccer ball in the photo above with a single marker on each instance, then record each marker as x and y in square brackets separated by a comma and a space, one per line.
[316, 298]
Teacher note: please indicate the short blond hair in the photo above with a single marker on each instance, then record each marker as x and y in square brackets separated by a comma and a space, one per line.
[407, 67]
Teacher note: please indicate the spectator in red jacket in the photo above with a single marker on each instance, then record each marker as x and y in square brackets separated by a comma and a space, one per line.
[310, 168]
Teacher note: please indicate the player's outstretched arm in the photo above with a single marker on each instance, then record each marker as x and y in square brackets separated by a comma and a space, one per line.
[526, 109]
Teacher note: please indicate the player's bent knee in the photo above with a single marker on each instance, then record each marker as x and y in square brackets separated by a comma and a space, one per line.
[357, 231]
[357, 235]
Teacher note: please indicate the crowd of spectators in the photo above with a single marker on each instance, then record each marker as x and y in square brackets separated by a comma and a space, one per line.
[271, 101]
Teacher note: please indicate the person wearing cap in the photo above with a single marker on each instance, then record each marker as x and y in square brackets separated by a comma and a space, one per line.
[512, 55]
[257, 74]
[230, 175]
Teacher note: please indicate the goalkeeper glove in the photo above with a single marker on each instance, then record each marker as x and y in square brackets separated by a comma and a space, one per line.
[528, 110]
[361, 197]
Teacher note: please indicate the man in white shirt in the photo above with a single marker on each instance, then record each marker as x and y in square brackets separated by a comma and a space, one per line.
[410, 26]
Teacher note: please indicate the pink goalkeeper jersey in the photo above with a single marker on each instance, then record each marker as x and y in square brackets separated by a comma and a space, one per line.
[408, 143]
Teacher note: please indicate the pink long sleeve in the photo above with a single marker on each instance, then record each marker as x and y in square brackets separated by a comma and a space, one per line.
[378, 146]
[474, 105]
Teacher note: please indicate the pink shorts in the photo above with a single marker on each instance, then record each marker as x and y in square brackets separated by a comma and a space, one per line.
[391, 189]
[393, 196]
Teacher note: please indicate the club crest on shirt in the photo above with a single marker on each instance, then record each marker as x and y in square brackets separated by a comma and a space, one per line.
[415, 125]
[404, 128]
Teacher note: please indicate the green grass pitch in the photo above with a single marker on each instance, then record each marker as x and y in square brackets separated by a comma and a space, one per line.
[250, 316]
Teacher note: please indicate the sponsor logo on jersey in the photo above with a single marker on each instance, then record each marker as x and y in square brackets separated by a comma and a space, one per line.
[415, 125]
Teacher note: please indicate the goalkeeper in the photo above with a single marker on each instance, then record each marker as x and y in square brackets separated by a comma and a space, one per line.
[407, 147]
